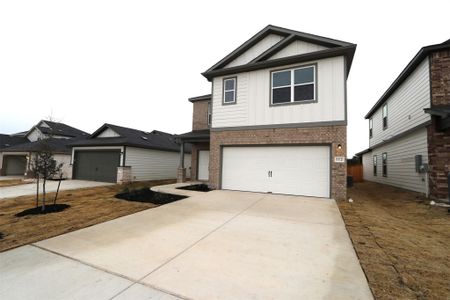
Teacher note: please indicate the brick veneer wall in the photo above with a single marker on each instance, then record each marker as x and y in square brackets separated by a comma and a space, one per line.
[194, 157]
[200, 115]
[333, 135]
[439, 141]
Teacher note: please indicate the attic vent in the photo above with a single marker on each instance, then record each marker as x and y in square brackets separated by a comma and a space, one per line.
[7, 145]
[144, 138]
[60, 130]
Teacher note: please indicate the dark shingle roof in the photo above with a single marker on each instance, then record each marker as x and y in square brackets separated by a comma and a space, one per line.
[7, 140]
[61, 129]
[155, 139]
[55, 144]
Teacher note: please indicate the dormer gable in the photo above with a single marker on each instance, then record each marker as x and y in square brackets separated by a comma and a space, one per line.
[274, 46]
[107, 133]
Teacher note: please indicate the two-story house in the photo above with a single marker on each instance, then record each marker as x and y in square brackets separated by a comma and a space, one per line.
[276, 120]
[409, 127]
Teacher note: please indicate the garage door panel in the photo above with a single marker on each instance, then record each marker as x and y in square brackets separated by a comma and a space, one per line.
[298, 170]
[97, 165]
[15, 164]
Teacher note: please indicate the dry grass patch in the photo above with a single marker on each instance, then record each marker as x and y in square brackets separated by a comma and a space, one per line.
[12, 182]
[402, 242]
[88, 207]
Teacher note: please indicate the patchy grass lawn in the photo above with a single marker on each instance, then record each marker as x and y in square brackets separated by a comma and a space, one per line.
[12, 182]
[88, 207]
[403, 244]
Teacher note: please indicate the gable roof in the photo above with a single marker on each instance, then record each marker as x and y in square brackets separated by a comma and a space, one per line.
[57, 145]
[7, 140]
[412, 65]
[155, 139]
[60, 129]
[335, 48]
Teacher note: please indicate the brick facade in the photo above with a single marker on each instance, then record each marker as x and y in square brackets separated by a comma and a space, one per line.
[439, 141]
[200, 115]
[332, 135]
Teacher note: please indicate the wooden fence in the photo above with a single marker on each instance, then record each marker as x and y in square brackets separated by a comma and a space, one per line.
[356, 171]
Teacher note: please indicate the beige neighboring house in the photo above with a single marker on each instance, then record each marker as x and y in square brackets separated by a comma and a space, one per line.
[409, 127]
[16, 149]
[276, 120]
[119, 154]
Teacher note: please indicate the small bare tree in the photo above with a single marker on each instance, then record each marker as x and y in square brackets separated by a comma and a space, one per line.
[44, 167]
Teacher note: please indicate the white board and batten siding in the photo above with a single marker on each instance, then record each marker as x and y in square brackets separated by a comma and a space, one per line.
[148, 164]
[256, 50]
[297, 48]
[108, 132]
[253, 98]
[405, 106]
[400, 162]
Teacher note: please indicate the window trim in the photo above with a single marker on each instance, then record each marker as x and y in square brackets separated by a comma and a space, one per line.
[370, 128]
[382, 117]
[375, 165]
[223, 90]
[293, 85]
[384, 164]
[209, 114]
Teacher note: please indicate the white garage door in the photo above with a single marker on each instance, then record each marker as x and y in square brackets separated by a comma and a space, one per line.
[297, 170]
[203, 165]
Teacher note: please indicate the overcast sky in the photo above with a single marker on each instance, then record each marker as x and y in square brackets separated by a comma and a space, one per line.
[135, 63]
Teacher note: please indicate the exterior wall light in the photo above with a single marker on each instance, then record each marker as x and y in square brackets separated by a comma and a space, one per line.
[339, 146]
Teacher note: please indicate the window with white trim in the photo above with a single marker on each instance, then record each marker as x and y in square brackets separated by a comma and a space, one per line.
[209, 116]
[385, 115]
[370, 128]
[384, 161]
[374, 165]
[294, 85]
[229, 90]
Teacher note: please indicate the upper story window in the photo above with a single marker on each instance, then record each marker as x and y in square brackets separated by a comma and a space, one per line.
[374, 165]
[385, 115]
[209, 114]
[229, 90]
[370, 128]
[294, 85]
[384, 161]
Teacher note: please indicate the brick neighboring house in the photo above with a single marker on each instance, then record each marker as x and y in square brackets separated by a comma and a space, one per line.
[276, 120]
[409, 127]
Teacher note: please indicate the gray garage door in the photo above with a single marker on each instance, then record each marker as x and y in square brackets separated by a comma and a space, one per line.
[96, 165]
[14, 164]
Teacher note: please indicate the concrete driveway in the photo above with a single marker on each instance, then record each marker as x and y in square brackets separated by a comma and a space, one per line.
[216, 245]
[51, 186]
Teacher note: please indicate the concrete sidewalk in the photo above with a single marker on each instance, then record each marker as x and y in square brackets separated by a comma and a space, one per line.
[215, 245]
[51, 186]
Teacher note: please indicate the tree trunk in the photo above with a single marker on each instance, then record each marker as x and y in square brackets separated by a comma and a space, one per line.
[43, 193]
[37, 192]
[57, 190]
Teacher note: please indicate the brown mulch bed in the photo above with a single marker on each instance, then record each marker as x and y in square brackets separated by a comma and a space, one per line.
[87, 207]
[402, 242]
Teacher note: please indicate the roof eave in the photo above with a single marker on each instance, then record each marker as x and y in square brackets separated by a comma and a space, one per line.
[347, 51]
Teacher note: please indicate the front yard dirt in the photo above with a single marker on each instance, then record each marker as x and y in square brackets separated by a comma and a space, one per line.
[402, 242]
[12, 182]
[87, 207]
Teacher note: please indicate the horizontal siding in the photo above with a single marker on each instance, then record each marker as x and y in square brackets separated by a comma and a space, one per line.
[405, 106]
[400, 162]
[66, 167]
[147, 164]
[297, 48]
[253, 98]
[256, 50]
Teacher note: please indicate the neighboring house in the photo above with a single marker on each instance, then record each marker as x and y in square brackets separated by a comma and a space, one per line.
[276, 120]
[16, 149]
[119, 154]
[409, 127]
